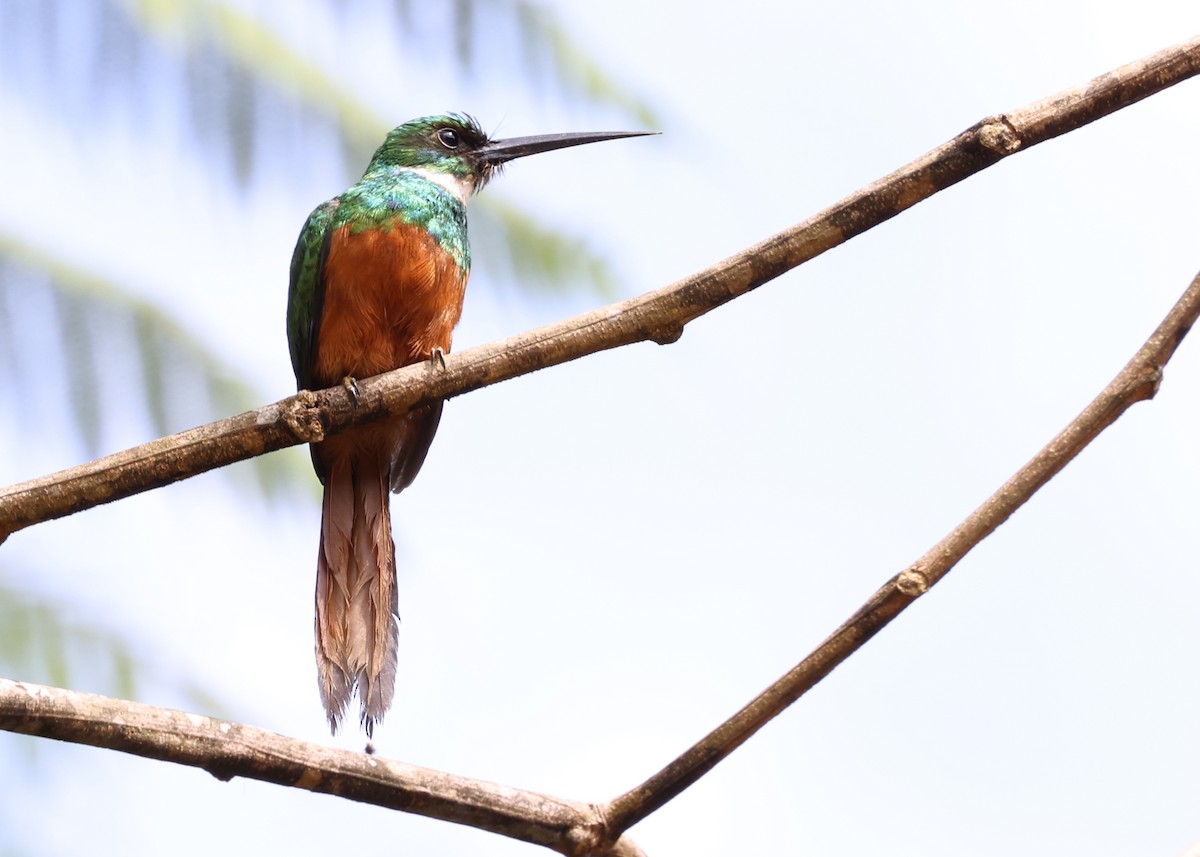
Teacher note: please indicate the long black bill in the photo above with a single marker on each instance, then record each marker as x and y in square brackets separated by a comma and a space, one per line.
[499, 151]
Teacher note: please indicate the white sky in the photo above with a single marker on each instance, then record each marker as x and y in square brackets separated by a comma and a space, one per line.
[602, 561]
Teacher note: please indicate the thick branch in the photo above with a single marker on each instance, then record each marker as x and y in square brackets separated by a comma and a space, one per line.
[657, 316]
[228, 750]
[1139, 380]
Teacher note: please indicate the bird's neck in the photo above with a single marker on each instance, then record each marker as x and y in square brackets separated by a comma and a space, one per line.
[462, 188]
[393, 195]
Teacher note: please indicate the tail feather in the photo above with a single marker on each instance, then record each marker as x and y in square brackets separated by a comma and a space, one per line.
[356, 626]
[356, 633]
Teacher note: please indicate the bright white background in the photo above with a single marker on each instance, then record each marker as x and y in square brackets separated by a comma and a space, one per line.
[601, 561]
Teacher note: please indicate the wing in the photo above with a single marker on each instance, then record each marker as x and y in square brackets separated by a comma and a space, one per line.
[306, 291]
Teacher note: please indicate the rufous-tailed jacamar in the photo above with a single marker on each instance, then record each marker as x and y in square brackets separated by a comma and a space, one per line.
[377, 283]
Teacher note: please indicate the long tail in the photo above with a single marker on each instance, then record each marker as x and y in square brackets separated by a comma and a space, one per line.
[356, 591]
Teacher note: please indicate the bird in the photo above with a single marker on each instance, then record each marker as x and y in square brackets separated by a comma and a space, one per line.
[377, 282]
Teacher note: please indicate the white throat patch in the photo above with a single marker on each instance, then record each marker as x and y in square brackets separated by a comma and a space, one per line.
[458, 187]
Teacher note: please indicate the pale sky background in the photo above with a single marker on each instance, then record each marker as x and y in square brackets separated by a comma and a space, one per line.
[602, 561]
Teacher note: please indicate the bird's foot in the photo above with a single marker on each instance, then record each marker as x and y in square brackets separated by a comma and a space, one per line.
[438, 356]
[351, 386]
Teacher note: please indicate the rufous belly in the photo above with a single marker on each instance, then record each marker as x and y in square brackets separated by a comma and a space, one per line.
[392, 296]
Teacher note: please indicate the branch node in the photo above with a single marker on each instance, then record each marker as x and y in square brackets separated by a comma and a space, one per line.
[666, 334]
[912, 582]
[1153, 381]
[222, 773]
[302, 416]
[998, 135]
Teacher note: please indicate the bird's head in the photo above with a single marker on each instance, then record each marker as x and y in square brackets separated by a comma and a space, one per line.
[454, 151]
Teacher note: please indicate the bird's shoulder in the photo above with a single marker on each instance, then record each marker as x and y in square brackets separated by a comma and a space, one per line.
[399, 196]
[404, 199]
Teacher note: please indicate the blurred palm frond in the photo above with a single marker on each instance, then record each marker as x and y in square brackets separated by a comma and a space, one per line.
[39, 643]
[112, 342]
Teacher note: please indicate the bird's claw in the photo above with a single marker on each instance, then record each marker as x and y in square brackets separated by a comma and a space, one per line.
[351, 386]
[438, 356]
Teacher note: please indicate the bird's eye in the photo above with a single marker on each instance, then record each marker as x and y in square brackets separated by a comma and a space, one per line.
[449, 138]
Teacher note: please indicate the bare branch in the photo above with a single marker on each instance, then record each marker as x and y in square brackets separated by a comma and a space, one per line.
[228, 750]
[1139, 380]
[657, 316]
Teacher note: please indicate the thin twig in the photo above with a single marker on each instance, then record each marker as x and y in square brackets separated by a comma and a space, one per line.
[1139, 380]
[657, 316]
[226, 750]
